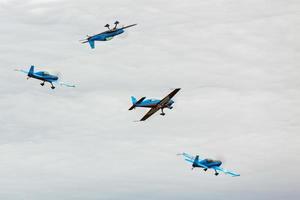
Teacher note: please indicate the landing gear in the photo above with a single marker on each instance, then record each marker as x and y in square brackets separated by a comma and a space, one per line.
[116, 24]
[107, 26]
[216, 173]
[43, 83]
[52, 86]
[205, 169]
[162, 112]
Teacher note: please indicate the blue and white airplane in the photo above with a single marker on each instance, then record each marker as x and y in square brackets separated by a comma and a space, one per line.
[107, 35]
[207, 164]
[154, 104]
[43, 76]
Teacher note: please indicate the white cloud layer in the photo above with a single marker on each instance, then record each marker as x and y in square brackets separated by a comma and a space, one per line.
[237, 64]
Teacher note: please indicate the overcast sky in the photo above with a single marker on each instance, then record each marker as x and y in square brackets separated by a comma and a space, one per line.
[237, 63]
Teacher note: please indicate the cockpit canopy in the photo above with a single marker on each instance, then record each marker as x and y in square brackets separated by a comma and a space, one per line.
[210, 160]
[45, 73]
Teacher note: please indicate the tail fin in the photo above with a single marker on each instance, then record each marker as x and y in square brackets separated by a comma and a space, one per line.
[196, 160]
[31, 70]
[92, 44]
[135, 102]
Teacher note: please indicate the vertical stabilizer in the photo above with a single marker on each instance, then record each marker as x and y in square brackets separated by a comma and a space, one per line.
[195, 164]
[31, 70]
[133, 100]
[92, 44]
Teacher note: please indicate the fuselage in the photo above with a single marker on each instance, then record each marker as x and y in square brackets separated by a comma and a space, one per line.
[107, 35]
[44, 76]
[149, 103]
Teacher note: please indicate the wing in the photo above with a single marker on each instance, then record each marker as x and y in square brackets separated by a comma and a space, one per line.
[187, 156]
[191, 159]
[168, 97]
[150, 112]
[83, 41]
[202, 165]
[226, 171]
[198, 163]
[64, 84]
[21, 70]
[129, 26]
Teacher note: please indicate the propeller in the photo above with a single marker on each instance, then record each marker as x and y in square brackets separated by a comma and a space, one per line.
[55, 73]
[220, 158]
[116, 24]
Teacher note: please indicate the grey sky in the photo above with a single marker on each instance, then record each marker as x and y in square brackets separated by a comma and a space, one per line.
[237, 63]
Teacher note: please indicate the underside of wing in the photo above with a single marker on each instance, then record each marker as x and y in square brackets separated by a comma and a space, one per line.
[150, 112]
[169, 96]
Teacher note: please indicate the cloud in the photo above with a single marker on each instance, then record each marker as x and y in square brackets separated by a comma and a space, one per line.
[236, 63]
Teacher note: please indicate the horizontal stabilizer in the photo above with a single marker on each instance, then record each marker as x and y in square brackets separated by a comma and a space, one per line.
[136, 103]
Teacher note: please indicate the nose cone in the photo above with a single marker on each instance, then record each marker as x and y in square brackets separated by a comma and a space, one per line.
[54, 78]
[219, 163]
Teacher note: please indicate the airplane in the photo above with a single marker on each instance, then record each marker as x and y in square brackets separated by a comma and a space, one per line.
[106, 35]
[154, 104]
[43, 76]
[207, 164]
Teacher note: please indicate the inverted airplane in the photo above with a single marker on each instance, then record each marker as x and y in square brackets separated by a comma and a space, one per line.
[44, 77]
[207, 164]
[154, 104]
[106, 35]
